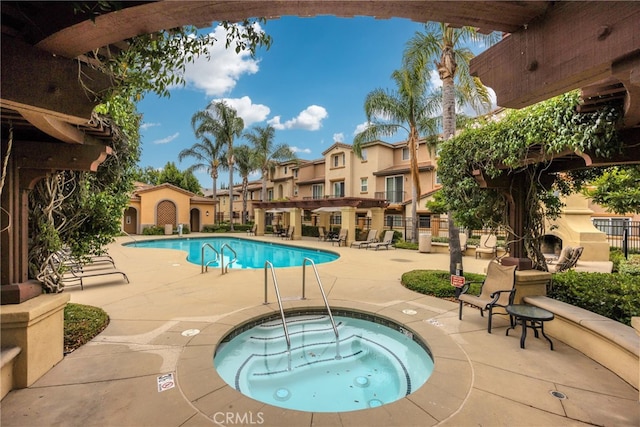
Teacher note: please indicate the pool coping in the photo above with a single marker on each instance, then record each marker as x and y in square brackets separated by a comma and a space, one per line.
[441, 397]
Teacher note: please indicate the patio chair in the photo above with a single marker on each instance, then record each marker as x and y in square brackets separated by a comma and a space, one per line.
[341, 238]
[387, 240]
[252, 232]
[288, 235]
[567, 262]
[322, 235]
[488, 245]
[463, 242]
[372, 237]
[498, 290]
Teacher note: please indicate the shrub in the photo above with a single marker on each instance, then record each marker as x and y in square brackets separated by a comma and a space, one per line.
[81, 324]
[611, 295]
[616, 256]
[437, 282]
[310, 231]
[403, 244]
[630, 266]
[153, 230]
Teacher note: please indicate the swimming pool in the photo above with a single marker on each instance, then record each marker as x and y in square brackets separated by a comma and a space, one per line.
[374, 364]
[251, 253]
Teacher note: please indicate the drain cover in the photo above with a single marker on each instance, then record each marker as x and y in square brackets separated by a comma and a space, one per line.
[558, 394]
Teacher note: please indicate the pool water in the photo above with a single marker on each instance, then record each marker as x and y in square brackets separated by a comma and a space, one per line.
[376, 364]
[251, 253]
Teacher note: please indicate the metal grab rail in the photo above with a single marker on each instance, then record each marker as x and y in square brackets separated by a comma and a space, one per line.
[284, 321]
[135, 242]
[205, 267]
[324, 297]
[225, 269]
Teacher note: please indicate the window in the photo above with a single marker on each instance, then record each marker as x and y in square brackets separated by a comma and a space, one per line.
[295, 173]
[364, 185]
[317, 191]
[295, 190]
[338, 189]
[364, 154]
[270, 194]
[395, 189]
[405, 153]
[338, 160]
[438, 178]
[286, 169]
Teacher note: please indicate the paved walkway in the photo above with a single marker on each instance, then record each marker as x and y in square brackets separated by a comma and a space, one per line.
[479, 378]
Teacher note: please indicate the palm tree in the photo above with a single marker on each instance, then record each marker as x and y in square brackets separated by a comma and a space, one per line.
[406, 109]
[246, 163]
[268, 154]
[443, 45]
[221, 122]
[208, 155]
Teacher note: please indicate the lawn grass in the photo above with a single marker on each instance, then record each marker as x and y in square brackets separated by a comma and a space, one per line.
[81, 324]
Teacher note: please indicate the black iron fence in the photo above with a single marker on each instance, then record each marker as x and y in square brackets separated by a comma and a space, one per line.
[621, 233]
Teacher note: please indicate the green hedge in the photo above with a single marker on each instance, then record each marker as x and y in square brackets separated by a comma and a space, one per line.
[437, 282]
[615, 296]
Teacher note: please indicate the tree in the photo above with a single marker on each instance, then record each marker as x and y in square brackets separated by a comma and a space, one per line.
[407, 109]
[207, 153]
[267, 153]
[172, 175]
[444, 45]
[222, 122]
[246, 162]
[617, 189]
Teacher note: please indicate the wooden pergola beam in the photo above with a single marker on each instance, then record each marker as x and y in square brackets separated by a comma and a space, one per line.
[573, 45]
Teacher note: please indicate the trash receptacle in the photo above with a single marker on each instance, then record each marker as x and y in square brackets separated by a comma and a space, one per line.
[424, 243]
[179, 229]
[168, 229]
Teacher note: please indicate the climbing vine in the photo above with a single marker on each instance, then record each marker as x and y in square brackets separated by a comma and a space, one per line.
[499, 147]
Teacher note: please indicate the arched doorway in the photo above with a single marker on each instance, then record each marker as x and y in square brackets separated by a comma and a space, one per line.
[166, 213]
[194, 223]
[130, 220]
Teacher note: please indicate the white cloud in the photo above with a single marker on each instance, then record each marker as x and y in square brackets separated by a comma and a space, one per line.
[338, 137]
[308, 119]
[250, 112]
[300, 150]
[145, 126]
[167, 139]
[361, 127]
[434, 79]
[219, 74]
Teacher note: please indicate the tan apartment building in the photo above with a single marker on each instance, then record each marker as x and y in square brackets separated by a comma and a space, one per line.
[382, 173]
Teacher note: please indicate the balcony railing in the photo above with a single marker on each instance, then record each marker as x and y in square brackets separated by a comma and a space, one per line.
[391, 196]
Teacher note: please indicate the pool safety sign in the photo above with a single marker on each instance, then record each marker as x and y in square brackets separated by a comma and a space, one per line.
[457, 281]
[165, 382]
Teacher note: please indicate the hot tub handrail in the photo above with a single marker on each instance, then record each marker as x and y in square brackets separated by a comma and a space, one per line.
[268, 265]
[324, 297]
[225, 268]
[205, 267]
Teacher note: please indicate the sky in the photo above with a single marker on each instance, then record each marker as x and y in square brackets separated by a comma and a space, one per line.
[310, 86]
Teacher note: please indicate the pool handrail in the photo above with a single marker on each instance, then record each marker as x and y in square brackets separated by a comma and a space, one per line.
[268, 264]
[225, 268]
[205, 267]
[324, 297]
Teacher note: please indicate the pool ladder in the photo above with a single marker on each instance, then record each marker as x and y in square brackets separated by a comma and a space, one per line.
[268, 265]
[204, 267]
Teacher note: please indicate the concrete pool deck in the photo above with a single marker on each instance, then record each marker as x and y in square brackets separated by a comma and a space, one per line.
[479, 378]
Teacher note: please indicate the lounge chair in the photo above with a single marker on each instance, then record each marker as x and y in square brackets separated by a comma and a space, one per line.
[498, 290]
[488, 245]
[341, 238]
[567, 260]
[322, 235]
[288, 235]
[372, 237]
[73, 273]
[387, 240]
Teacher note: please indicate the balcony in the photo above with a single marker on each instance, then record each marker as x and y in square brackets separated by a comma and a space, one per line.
[395, 197]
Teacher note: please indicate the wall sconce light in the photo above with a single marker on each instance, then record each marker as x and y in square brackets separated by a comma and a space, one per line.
[207, 213]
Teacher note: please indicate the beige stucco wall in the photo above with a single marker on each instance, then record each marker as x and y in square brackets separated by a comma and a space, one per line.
[149, 201]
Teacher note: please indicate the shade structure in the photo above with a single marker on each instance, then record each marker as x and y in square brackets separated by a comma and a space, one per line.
[327, 209]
